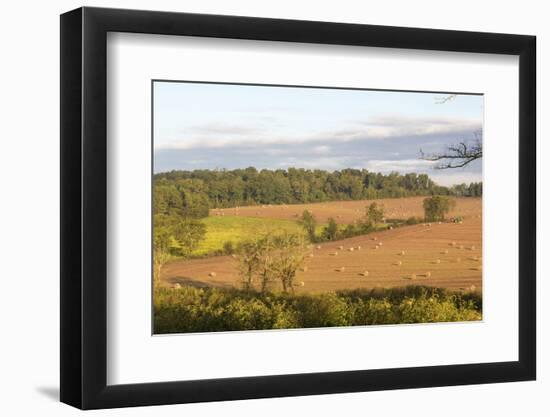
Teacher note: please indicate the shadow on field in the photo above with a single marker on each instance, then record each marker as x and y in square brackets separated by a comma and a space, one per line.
[191, 282]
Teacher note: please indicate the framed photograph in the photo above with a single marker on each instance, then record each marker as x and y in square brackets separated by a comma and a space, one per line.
[257, 208]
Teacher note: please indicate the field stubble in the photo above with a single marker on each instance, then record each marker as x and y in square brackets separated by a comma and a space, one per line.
[446, 255]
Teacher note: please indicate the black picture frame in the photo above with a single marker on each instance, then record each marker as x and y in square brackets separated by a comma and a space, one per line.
[84, 207]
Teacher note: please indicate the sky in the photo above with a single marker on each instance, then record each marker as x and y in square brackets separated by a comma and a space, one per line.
[228, 126]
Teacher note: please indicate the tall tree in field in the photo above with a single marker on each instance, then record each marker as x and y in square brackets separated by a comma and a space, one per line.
[375, 214]
[288, 256]
[250, 260]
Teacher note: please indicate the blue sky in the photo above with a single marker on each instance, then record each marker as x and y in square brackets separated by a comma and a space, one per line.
[215, 126]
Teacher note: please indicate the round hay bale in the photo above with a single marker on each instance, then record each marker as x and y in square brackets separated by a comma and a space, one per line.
[212, 274]
[340, 247]
[177, 286]
[365, 273]
[413, 276]
[351, 249]
[302, 283]
[428, 274]
[402, 253]
[437, 261]
[318, 247]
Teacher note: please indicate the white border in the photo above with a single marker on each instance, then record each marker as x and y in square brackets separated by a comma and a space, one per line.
[134, 356]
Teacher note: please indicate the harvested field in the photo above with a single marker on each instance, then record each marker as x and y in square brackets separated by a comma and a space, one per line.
[420, 254]
[346, 212]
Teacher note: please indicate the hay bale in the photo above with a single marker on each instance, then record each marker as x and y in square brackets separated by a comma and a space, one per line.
[340, 247]
[452, 244]
[398, 263]
[365, 273]
[437, 261]
[402, 253]
[304, 269]
[428, 274]
[374, 238]
[333, 253]
[212, 274]
[413, 276]
[311, 255]
[472, 247]
[351, 249]
[318, 247]
[177, 286]
[302, 283]
[472, 287]
[358, 247]
[341, 269]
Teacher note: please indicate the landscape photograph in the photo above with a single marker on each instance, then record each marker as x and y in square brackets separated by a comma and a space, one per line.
[286, 207]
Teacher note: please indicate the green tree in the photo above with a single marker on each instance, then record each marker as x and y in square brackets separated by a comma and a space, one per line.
[174, 236]
[375, 214]
[437, 206]
[309, 223]
[250, 259]
[288, 256]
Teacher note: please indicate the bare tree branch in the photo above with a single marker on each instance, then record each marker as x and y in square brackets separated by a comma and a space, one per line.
[444, 99]
[458, 155]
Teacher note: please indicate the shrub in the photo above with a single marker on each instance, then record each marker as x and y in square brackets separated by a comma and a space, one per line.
[413, 220]
[330, 231]
[191, 309]
[228, 248]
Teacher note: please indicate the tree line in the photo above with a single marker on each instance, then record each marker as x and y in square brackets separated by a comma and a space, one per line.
[193, 193]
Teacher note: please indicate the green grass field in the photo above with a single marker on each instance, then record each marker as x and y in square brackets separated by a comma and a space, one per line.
[236, 229]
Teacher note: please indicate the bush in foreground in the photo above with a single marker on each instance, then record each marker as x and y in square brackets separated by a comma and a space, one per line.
[191, 309]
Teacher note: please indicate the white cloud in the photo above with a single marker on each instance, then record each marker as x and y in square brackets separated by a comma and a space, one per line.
[223, 135]
[399, 165]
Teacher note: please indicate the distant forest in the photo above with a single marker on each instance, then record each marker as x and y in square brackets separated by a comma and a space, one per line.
[193, 193]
